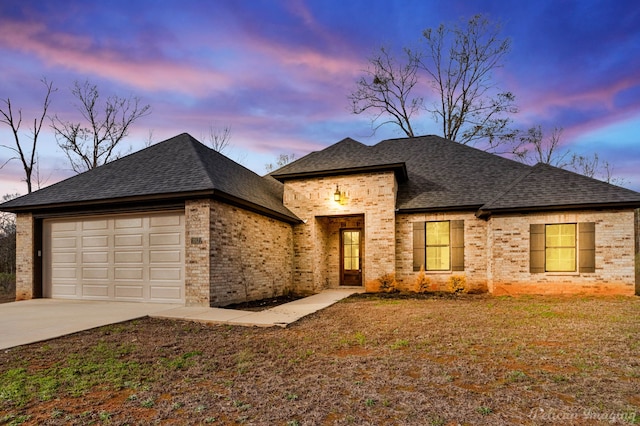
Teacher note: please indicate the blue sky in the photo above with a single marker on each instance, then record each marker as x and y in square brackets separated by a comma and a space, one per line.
[279, 72]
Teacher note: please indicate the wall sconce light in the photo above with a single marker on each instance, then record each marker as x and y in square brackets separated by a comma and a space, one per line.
[337, 196]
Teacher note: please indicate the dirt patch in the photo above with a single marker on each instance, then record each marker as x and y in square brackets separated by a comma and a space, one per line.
[262, 304]
[368, 359]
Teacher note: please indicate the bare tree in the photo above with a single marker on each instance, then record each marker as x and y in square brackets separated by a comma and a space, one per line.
[24, 151]
[591, 166]
[219, 139]
[281, 161]
[7, 241]
[534, 147]
[385, 90]
[95, 142]
[459, 62]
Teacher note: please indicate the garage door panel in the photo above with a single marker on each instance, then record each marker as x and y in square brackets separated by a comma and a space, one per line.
[90, 225]
[136, 222]
[66, 290]
[127, 257]
[165, 239]
[158, 221]
[101, 241]
[96, 291]
[129, 292]
[135, 258]
[133, 240]
[165, 256]
[165, 274]
[64, 242]
[62, 257]
[166, 293]
[129, 274]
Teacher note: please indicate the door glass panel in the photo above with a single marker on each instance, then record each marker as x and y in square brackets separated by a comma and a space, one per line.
[351, 250]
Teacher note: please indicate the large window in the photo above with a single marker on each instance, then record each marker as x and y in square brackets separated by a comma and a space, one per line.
[563, 247]
[438, 245]
[560, 247]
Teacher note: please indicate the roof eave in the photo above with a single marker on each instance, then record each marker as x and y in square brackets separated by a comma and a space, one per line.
[124, 201]
[108, 201]
[474, 207]
[484, 213]
[400, 169]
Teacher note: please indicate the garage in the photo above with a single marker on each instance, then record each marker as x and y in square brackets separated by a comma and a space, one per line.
[137, 258]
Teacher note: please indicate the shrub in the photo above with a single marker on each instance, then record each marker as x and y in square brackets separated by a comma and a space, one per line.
[385, 282]
[457, 284]
[422, 282]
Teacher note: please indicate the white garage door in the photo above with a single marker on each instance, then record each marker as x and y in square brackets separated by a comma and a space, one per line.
[125, 258]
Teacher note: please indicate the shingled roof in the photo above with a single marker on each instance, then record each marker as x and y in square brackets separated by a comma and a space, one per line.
[434, 174]
[437, 174]
[178, 168]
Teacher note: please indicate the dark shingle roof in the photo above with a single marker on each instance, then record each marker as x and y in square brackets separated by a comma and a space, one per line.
[170, 169]
[434, 174]
[547, 186]
[445, 175]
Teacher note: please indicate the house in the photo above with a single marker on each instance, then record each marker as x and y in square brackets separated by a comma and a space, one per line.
[179, 222]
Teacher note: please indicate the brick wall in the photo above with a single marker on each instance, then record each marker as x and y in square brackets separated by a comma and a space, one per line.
[251, 256]
[475, 254]
[24, 256]
[637, 252]
[508, 253]
[197, 249]
[368, 196]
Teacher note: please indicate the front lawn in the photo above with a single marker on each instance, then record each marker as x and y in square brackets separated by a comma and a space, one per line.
[366, 360]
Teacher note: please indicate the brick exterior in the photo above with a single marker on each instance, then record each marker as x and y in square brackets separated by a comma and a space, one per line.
[508, 254]
[637, 251]
[24, 256]
[197, 249]
[368, 196]
[475, 255]
[251, 256]
[233, 255]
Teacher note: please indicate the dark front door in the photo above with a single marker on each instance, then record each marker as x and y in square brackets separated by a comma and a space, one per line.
[351, 257]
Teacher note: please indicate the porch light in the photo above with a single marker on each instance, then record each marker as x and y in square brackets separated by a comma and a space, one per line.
[337, 195]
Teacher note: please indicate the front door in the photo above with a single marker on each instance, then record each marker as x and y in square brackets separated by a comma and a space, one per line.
[351, 257]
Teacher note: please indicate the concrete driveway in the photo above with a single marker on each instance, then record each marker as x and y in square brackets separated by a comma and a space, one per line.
[30, 321]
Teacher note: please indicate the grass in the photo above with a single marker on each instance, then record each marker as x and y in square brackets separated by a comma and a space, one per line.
[369, 359]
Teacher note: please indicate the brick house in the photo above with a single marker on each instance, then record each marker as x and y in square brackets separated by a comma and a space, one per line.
[179, 222]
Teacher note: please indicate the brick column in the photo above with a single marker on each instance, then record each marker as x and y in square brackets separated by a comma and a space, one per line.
[24, 256]
[197, 252]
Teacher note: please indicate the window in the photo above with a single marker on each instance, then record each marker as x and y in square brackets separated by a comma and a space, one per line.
[563, 247]
[560, 247]
[438, 245]
[438, 252]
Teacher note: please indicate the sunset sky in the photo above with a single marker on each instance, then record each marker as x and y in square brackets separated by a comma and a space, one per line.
[279, 72]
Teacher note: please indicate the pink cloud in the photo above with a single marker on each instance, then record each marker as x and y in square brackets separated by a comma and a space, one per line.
[79, 54]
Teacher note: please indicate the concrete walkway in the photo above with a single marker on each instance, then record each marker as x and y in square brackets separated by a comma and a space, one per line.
[281, 315]
[36, 320]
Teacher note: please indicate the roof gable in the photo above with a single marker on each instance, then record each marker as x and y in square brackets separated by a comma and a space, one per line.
[176, 168]
[446, 175]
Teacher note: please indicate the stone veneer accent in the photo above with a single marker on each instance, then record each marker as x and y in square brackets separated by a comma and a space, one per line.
[251, 255]
[508, 254]
[371, 197]
[475, 254]
[24, 256]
